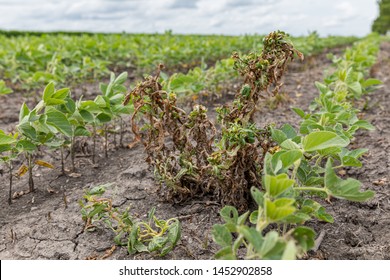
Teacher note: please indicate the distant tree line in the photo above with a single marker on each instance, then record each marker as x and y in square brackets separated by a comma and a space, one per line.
[382, 23]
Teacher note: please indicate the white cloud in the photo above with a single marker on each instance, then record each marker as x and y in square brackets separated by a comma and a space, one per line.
[297, 17]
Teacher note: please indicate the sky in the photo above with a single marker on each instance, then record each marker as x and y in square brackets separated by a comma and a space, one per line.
[228, 17]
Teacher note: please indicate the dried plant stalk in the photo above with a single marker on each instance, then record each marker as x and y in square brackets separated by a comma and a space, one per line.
[189, 156]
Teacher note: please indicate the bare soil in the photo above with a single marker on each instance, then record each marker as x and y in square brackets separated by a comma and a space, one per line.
[47, 223]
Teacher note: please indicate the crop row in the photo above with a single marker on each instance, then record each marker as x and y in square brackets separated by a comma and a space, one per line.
[33, 60]
[57, 120]
[304, 165]
[279, 168]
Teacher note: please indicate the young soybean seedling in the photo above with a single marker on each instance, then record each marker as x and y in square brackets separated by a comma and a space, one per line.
[41, 127]
[153, 235]
[111, 104]
[8, 153]
[4, 89]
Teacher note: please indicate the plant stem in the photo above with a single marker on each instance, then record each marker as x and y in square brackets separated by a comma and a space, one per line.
[295, 170]
[311, 189]
[318, 161]
[72, 153]
[30, 174]
[105, 141]
[114, 131]
[62, 161]
[121, 132]
[10, 183]
[94, 144]
[284, 228]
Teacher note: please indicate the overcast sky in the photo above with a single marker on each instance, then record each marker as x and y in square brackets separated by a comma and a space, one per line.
[297, 17]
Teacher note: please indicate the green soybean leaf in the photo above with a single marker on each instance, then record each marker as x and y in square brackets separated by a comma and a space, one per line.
[289, 145]
[275, 185]
[321, 87]
[297, 218]
[27, 130]
[278, 135]
[269, 242]
[54, 101]
[305, 237]
[280, 208]
[117, 98]
[319, 140]
[229, 214]
[133, 238]
[97, 190]
[225, 253]
[87, 116]
[356, 87]
[289, 131]
[351, 161]
[103, 88]
[4, 89]
[329, 151]
[103, 117]
[118, 239]
[221, 235]
[6, 139]
[121, 109]
[322, 215]
[97, 210]
[26, 145]
[371, 82]
[5, 148]
[253, 237]
[48, 92]
[99, 100]
[344, 189]
[258, 196]
[61, 93]
[140, 247]
[157, 243]
[81, 131]
[242, 218]
[174, 232]
[90, 106]
[290, 251]
[299, 112]
[24, 111]
[121, 78]
[254, 216]
[364, 124]
[290, 157]
[59, 121]
[70, 105]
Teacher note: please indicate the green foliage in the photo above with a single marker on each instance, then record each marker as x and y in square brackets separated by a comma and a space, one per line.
[234, 162]
[31, 60]
[4, 89]
[153, 235]
[381, 24]
[302, 165]
[8, 152]
[237, 235]
[57, 120]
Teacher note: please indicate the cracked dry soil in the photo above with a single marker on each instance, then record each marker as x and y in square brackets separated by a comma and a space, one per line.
[48, 225]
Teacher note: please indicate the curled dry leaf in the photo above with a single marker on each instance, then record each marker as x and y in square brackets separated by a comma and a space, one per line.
[44, 164]
[21, 171]
[380, 182]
